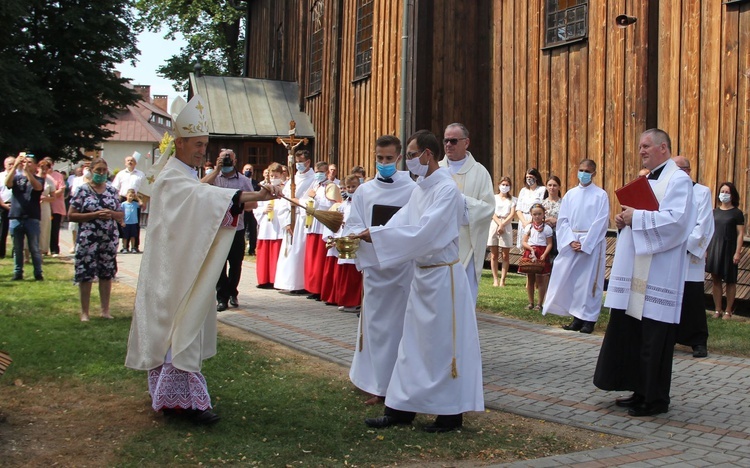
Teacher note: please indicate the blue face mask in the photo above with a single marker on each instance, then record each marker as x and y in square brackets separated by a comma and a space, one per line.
[386, 170]
[300, 167]
[584, 177]
[226, 169]
[98, 178]
[320, 176]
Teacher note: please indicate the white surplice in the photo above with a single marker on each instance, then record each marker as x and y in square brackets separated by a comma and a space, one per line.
[290, 269]
[700, 236]
[662, 235]
[386, 290]
[440, 321]
[475, 183]
[577, 280]
[175, 308]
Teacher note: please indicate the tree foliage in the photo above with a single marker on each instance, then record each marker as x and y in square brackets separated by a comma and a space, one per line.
[57, 73]
[212, 29]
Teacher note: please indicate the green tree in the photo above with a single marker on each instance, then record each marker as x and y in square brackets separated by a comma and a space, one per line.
[57, 73]
[212, 29]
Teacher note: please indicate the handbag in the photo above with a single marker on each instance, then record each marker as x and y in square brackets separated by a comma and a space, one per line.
[527, 265]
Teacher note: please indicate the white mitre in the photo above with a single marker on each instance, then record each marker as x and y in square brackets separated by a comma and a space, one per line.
[192, 121]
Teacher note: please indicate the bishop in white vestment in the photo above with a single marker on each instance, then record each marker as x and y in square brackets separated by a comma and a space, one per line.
[646, 286]
[577, 280]
[439, 366]
[386, 290]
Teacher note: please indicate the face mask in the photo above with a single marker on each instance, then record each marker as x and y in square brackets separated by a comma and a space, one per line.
[300, 167]
[345, 196]
[416, 167]
[248, 173]
[386, 170]
[226, 169]
[504, 188]
[725, 197]
[99, 178]
[208, 171]
[584, 177]
[320, 176]
[530, 181]
[275, 182]
[361, 180]
[86, 170]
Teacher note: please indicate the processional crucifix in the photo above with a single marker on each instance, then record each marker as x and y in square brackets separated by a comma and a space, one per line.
[291, 143]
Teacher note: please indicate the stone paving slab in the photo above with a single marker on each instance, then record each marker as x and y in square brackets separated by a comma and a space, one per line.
[537, 371]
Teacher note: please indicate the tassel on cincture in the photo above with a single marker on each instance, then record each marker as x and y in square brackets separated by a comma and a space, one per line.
[361, 342]
[454, 369]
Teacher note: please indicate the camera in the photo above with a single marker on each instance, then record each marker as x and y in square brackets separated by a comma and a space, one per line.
[226, 161]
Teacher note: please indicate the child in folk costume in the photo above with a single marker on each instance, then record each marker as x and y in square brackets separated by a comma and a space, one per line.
[537, 245]
[269, 232]
[330, 266]
[348, 279]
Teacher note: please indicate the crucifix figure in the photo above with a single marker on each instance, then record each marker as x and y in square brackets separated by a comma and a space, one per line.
[291, 143]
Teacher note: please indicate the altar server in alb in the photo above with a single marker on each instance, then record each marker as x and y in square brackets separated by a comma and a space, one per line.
[386, 289]
[577, 280]
[439, 367]
[646, 285]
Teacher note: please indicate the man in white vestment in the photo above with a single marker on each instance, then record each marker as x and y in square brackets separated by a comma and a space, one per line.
[646, 285]
[439, 366]
[290, 269]
[693, 328]
[174, 319]
[577, 281]
[475, 184]
[386, 290]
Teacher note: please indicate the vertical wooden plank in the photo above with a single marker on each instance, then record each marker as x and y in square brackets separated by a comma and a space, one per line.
[742, 158]
[710, 74]
[613, 115]
[636, 94]
[545, 109]
[535, 14]
[519, 117]
[498, 38]
[729, 77]
[597, 50]
[690, 83]
[508, 93]
[558, 115]
[577, 114]
[670, 14]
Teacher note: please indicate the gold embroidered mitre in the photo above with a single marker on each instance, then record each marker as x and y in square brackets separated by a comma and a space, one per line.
[192, 121]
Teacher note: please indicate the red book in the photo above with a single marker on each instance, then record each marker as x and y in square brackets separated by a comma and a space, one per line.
[638, 194]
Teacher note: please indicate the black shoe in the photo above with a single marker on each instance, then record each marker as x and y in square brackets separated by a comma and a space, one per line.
[233, 301]
[17, 277]
[587, 327]
[629, 402]
[445, 423]
[700, 351]
[314, 296]
[265, 286]
[204, 418]
[436, 428]
[384, 421]
[648, 409]
[575, 325]
[298, 291]
[221, 306]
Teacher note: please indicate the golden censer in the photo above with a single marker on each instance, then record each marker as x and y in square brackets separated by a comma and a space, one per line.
[346, 246]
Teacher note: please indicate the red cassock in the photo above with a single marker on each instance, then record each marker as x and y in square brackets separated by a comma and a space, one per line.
[328, 286]
[267, 255]
[315, 253]
[348, 285]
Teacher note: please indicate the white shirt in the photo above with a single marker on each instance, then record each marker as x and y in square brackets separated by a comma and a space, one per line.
[126, 180]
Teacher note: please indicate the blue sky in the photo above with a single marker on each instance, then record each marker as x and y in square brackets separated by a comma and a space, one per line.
[155, 50]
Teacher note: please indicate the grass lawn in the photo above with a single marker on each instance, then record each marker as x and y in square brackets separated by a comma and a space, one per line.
[68, 399]
[731, 337]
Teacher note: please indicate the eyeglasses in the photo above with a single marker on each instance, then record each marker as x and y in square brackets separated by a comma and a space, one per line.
[453, 141]
[414, 154]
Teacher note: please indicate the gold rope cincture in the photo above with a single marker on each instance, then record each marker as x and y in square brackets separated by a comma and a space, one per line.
[362, 319]
[454, 367]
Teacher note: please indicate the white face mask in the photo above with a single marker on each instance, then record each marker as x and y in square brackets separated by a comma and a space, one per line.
[275, 182]
[725, 197]
[504, 188]
[530, 181]
[416, 167]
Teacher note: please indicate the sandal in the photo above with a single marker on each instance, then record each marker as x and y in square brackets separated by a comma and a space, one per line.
[529, 306]
[727, 316]
[718, 314]
[538, 307]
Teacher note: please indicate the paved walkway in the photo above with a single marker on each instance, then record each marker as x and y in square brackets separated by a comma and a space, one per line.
[540, 372]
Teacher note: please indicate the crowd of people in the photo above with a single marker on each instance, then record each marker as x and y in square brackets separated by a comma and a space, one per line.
[423, 236]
